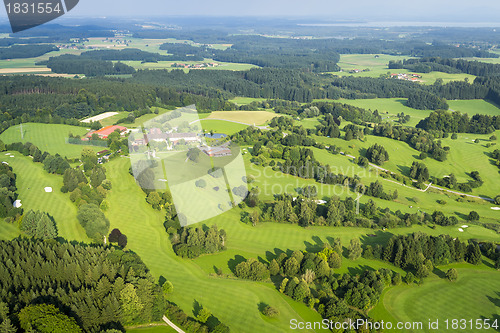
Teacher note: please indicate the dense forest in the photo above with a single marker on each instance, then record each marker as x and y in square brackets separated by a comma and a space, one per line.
[73, 64]
[446, 65]
[456, 122]
[94, 287]
[253, 43]
[58, 100]
[25, 51]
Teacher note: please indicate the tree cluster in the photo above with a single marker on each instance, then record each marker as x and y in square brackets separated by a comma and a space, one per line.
[8, 190]
[87, 186]
[39, 225]
[73, 64]
[456, 122]
[411, 252]
[51, 163]
[377, 154]
[418, 139]
[192, 242]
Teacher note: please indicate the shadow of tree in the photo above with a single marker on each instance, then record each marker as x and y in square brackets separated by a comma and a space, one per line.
[161, 280]
[232, 263]
[261, 306]
[405, 170]
[439, 273]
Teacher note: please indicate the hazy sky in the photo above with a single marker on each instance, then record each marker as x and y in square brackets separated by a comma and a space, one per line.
[397, 10]
[458, 11]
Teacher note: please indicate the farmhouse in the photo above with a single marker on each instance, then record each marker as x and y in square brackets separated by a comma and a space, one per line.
[106, 131]
[217, 151]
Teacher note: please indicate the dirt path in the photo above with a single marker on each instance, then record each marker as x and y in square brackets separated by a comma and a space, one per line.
[169, 323]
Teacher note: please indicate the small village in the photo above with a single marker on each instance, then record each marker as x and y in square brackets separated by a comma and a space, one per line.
[407, 77]
[195, 66]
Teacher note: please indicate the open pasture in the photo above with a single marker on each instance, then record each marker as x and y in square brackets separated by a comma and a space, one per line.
[47, 137]
[245, 117]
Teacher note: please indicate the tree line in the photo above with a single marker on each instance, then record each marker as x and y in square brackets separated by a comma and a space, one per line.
[73, 64]
[26, 51]
[448, 65]
[8, 191]
[456, 122]
[417, 138]
[305, 210]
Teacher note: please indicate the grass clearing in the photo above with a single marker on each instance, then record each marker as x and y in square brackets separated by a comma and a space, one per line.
[229, 66]
[222, 126]
[245, 100]
[472, 107]
[47, 137]
[31, 180]
[378, 65]
[247, 117]
[473, 296]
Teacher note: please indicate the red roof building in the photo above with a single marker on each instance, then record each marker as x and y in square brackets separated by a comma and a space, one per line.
[106, 131]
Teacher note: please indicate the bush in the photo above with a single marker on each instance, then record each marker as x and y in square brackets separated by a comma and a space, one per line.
[168, 287]
[452, 274]
[270, 312]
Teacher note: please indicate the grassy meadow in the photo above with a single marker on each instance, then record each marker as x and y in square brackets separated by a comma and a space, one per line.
[48, 137]
[473, 296]
[31, 181]
[247, 117]
[221, 126]
[377, 64]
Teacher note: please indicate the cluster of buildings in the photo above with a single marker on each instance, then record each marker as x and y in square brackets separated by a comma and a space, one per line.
[104, 132]
[195, 66]
[217, 151]
[352, 71]
[407, 77]
[172, 139]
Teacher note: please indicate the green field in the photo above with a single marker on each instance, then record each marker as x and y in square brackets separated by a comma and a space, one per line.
[270, 183]
[221, 126]
[31, 181]
[472, 107]
[134, 217]
[473, 296]
[147, 237]
[229, 66]
[378, 66]
[246, 100]
[388, 108]
[247, 117]
[48, 137]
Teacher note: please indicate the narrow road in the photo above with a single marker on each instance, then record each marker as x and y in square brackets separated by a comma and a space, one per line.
[428, 185]
[171, 324]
